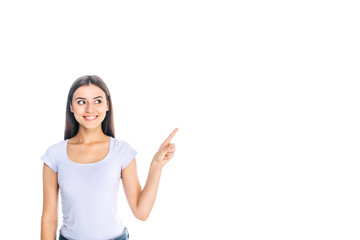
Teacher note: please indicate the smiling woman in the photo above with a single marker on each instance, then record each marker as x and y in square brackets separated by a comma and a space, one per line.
[87, 167]
[85, 105]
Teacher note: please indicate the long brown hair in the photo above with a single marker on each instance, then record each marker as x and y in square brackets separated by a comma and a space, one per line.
[71, 125]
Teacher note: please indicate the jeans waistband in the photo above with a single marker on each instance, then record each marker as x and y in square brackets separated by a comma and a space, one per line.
[125, 235]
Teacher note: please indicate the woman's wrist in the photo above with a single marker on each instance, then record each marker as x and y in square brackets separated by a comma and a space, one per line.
[156, 165]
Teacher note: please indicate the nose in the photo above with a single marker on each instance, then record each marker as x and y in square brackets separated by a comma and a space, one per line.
[89, 107]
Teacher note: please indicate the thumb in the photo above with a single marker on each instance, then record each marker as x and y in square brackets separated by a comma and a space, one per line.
[165, 149]
[170, 147]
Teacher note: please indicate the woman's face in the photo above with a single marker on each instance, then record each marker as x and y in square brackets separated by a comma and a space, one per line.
[89, 105]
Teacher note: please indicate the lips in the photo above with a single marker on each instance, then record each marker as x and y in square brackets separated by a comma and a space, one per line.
[90, 117]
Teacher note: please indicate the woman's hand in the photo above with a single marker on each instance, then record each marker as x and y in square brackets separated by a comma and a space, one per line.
[166, 151]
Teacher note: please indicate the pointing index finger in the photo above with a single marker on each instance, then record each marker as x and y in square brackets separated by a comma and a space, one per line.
[168, 139]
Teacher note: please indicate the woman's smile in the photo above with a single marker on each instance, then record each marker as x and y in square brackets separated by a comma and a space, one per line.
[90, 118]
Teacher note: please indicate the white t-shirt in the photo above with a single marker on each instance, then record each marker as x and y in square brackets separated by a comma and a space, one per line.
[89, 191]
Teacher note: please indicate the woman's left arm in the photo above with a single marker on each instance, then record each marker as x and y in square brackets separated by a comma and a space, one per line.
[142, 201]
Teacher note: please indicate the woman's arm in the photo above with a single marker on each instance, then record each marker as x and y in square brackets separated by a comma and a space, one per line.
[49, 218]
[142, 201]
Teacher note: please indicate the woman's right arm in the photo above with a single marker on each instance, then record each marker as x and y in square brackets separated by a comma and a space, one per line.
[49, 218]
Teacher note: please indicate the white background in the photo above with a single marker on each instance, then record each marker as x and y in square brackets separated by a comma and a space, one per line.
[265, 95]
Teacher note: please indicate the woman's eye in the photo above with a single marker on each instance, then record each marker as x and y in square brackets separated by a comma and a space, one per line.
[79, 102]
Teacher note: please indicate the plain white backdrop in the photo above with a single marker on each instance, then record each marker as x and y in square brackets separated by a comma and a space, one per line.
[265, 95]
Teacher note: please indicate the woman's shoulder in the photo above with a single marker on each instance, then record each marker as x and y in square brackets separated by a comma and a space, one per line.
[56, 146]
[120, 143]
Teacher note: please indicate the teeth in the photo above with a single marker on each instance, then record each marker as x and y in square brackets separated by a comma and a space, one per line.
[90, 117]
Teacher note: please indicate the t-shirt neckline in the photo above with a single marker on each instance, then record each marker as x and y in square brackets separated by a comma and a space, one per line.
[89, 164]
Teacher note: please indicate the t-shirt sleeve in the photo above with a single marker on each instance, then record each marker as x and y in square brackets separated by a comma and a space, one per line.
[50, 160]
[128, 155]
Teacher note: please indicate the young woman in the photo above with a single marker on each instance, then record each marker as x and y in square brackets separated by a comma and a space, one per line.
[87, 167]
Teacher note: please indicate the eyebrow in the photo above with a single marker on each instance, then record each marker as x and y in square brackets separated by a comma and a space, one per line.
[85, 98]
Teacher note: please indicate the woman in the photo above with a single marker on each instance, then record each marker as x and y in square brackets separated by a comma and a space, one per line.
[87, 166]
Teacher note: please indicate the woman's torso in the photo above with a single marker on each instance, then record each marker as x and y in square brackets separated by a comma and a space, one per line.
[89, 180]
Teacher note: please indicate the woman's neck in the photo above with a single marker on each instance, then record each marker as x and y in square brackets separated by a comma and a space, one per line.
[90, 135]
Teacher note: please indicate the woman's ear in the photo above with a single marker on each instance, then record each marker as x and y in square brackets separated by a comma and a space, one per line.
[71, 109]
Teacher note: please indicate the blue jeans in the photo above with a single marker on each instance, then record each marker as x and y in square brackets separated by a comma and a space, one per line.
[124, 236]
